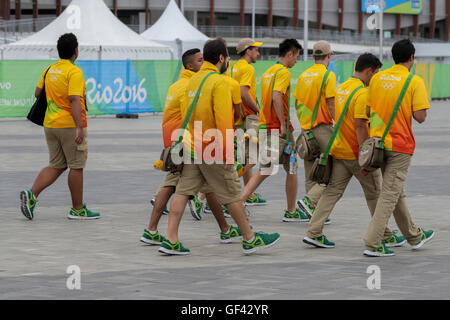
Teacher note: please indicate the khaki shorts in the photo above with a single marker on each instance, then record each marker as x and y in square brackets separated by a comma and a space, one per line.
[63, 151]
[266, 153]
[172, 179]
[225, 184]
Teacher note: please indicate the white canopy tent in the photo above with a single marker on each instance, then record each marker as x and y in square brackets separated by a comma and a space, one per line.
[174, 30]
[101, 36]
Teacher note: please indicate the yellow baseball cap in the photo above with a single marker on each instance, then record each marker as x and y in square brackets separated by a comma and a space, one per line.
[246, 43]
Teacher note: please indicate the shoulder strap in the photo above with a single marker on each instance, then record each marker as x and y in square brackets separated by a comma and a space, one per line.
[396, 108]
[191, 108]
[45, 75]
[316, 107]
[338, 124]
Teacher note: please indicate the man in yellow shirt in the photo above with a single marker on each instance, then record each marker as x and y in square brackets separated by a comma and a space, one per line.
[307, 95]
[274, 119]
[211, 125]
[244, 73]
[384, 92]
[352, 132]
[65, 128]
[172, 122]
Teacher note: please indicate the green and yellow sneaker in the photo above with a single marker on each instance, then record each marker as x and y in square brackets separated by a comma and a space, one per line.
[297, 216]
[256, 200]
[176, 248]
[395, 241]
[196, 208]
[165, 211]
[260, 241]
[232, 234]
[426, 236]
[207, 209]
[305, 206]
[149, 238]
[28, 203]
[82, 214]
[320, 242]
[382, 251]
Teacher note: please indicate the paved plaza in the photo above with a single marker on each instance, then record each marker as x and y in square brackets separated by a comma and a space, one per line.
[120, 181]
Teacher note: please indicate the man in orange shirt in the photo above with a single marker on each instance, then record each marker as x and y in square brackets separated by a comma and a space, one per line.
[274, 118]
[307, 93]
[65, 128]
[384, 92]
[212, 152]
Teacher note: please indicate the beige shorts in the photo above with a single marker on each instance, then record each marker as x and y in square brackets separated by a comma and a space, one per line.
[63, 150]
[225, 184]
[172, 179]
[266, 154]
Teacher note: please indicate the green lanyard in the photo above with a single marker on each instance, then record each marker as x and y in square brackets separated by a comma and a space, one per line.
[191, 108]
[396, 108]
[338, 124]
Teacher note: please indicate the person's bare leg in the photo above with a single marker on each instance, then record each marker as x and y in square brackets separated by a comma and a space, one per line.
[75, 181]
[217, 211]
[252, 185]
[161, 200]
[248, 173]
[177, 206]
[291, 191]
[237, 212]
[45, 178]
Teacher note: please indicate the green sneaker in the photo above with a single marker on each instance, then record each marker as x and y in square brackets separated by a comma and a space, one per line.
[305, 206]
[226, 213]
[260, 241]
[297, 216]
[170, 248]
[149, 238]
[256, 200]
[382, 251]
[320, 242]
[232, 234]
[207, 209]
[196, 208]
[83, 214]
[426, 236]
[165, 211]
[28, 203]
[395, 241]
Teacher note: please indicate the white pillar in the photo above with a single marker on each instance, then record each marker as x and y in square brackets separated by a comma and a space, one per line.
[305, 32]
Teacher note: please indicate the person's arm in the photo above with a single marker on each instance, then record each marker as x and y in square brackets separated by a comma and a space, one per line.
[279, 110]
[247, 99]
[76, 108]
[37, 92]
[362, 130]
[420, 115]
[330, 103]
[237, 111]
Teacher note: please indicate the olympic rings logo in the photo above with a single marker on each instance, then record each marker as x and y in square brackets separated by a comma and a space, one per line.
[388, 85]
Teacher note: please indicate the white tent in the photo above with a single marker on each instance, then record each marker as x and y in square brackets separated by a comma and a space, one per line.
[101, 36]
[174, 30]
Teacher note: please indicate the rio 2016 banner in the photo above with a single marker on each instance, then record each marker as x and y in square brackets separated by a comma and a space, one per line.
[115, 87]
[393, 6]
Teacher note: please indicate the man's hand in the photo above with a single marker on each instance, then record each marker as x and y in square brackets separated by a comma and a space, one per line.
[364, 172]
[79, 138]
[283, 131]
[229, 167]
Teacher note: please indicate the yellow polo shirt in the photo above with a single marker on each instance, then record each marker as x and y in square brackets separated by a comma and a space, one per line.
[214, 110]
[307, 94]
[244, 74]
[63, 79]
[172, 118]
[346, 146]
[384, 91]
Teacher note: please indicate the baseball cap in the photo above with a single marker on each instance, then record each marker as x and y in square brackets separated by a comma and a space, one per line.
[246, 43]
[322, 48]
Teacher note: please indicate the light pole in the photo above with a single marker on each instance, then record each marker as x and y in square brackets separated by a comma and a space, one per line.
[305, 32]
[381, 6]
[253, 20]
